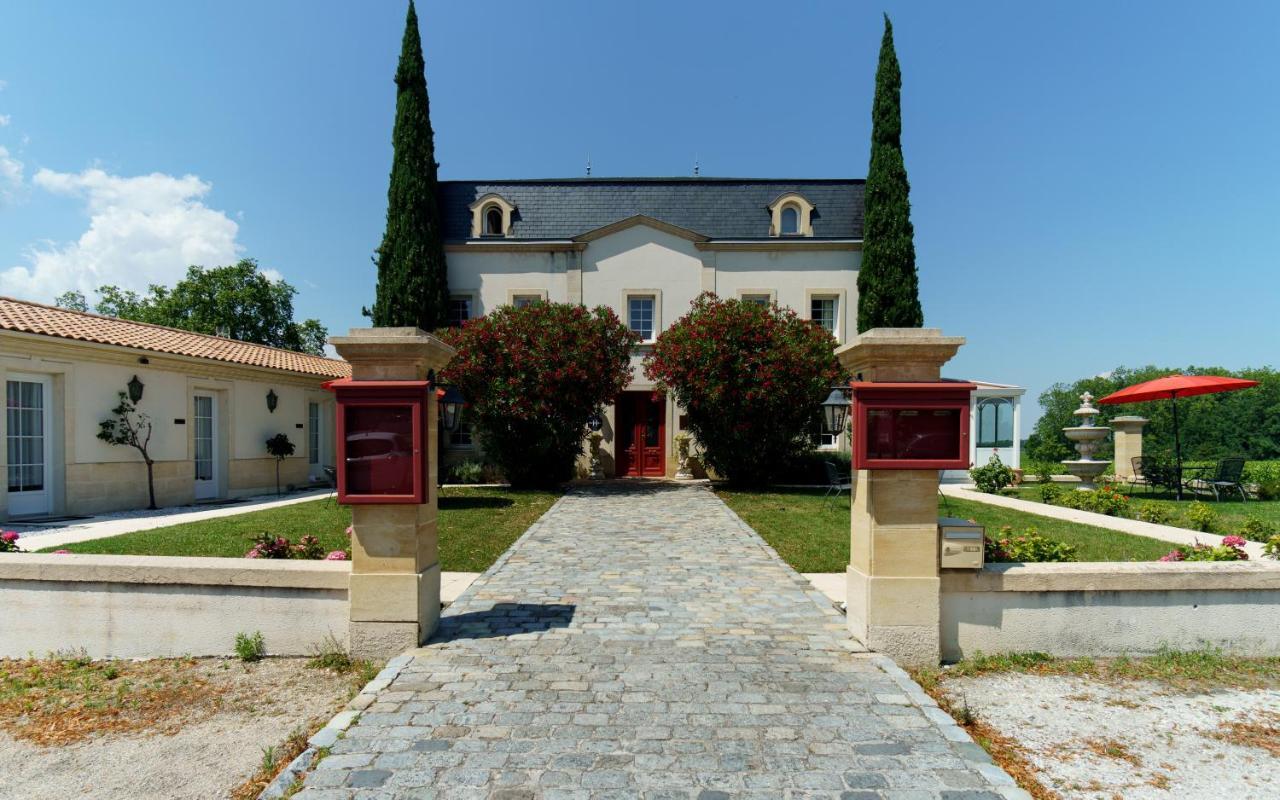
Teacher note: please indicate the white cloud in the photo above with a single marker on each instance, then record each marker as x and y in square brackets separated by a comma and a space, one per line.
[5, 119]
[10, 176]
[142, 230]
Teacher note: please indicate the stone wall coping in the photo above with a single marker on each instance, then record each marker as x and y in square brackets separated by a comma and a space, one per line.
[175, 570]
[1107, 576]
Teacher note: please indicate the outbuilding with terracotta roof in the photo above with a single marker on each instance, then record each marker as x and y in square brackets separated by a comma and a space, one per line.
[212, 402]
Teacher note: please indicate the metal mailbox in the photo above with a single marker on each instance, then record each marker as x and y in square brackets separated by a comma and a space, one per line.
[383, 455]
[911, 425]
[962, 543]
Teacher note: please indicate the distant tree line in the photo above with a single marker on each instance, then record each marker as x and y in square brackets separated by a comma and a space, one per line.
[1244, 423]
[236, 301]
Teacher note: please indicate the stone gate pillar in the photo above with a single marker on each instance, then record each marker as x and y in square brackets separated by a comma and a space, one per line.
[892, 578]
[1127, 435]
[395, 564]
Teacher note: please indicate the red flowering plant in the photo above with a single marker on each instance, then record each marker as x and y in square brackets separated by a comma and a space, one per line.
[532, 377]
[751, 378]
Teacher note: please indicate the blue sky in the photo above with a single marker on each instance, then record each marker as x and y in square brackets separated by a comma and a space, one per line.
[1093, 183]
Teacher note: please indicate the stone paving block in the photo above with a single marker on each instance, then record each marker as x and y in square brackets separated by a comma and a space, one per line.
[641, 641]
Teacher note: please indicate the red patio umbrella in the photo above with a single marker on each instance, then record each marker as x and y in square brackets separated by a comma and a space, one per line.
[1171, 388]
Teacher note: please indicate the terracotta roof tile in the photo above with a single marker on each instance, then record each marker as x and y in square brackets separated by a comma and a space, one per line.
[27, 317]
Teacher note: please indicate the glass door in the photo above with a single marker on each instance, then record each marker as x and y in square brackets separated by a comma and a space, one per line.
[206, 446]
[314, 467]
[27, 445]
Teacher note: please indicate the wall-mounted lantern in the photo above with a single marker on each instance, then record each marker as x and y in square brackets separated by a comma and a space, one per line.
[922, 426]
[451, 403]
[273, 400]
[835, 409]
[135, 389]
[595, 423]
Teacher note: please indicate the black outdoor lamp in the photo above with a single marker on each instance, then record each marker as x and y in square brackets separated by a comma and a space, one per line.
[135, 389]
[451, 408]
[273, 400]
[834, 411]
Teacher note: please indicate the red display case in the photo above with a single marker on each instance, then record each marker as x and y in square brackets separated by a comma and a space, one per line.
[911, 425]
[383, 457]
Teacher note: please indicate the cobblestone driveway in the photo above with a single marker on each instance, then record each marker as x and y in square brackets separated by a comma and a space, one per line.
[640, 641]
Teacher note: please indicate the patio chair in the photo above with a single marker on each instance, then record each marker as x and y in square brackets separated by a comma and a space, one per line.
[1225, 477]
[331, 475]
[1156, 473]
[837, 482]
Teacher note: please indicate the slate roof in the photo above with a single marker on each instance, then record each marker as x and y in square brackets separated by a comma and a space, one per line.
[721, 208]
[27, 317]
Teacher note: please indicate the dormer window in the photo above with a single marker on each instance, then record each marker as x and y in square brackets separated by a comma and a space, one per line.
[790, 225]
[491, 217]
[493, 222]
[791, 215]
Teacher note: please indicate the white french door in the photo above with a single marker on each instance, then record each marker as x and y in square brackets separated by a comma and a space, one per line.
[206, 445]
[314, 468]
[28, 445]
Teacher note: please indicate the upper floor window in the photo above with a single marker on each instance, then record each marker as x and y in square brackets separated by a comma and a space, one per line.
[995, 422]
[459, 310]
[493, 222]
[640, 315]
[758, 299]
[790, 221]
[491, 215]
[822, 310]
[791, 215]
[522, 300]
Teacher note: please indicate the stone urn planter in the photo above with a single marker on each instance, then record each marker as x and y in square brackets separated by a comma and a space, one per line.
[684, 443]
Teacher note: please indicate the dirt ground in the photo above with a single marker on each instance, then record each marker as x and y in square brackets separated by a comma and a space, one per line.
[201, 741]
[1085, 738]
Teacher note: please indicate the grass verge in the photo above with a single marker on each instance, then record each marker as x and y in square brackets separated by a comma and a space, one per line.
[475, 525]
[1230, 513]
[812, 535]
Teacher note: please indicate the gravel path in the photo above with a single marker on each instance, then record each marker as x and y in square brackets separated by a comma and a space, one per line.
[1139, 741]
[206, 759]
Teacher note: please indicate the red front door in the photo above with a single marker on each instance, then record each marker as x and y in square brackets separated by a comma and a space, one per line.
[641, 434]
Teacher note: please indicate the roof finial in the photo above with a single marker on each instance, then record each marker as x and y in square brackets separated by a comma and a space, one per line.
[588, 165]
[696, 169]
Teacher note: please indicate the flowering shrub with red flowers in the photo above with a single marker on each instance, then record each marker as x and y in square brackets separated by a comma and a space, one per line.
[532, 377]
[9, 542]
[1231, 549]
[752, 379]
[308, 547]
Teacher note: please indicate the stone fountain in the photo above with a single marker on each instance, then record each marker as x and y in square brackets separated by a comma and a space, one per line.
[1086, 437]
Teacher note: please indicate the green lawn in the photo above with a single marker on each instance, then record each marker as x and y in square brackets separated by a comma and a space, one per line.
[1231, 513]
[476, 526]
[814, 538]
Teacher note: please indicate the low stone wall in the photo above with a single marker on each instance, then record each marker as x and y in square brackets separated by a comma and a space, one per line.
[154, 606]
[1111, 609]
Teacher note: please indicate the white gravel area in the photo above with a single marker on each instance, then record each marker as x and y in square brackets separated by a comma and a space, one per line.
[207, 758]
[1166, 747]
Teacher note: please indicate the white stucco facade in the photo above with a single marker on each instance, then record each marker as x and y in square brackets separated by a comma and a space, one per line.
[671, 267]
[72, 387]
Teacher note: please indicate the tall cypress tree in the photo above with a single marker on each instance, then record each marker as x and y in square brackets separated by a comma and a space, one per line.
[412, 279]
[888, 288]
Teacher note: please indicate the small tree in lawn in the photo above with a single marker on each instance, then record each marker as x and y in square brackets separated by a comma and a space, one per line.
[752, 380]
[131, 428]
[280, 447]
[532, 378]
